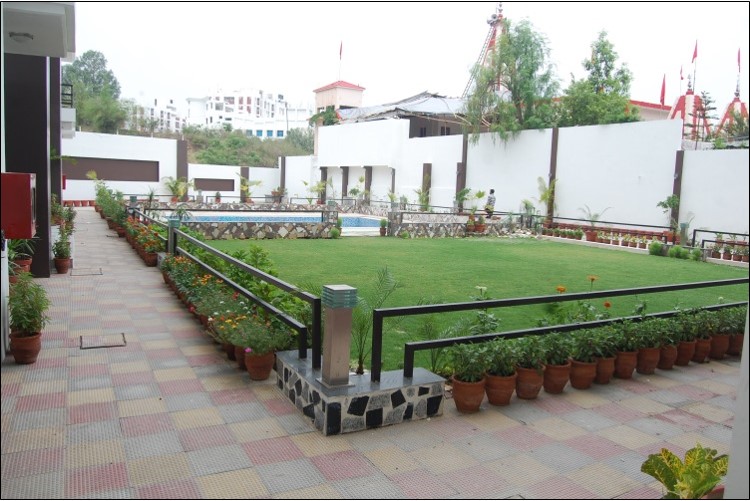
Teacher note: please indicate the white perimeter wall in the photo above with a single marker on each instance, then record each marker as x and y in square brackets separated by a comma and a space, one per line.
[268, 176]
[94, 145]
[628, 167]
[715, 191]
[511, 168]
[367, 143]
[298, 169]
[444, 153]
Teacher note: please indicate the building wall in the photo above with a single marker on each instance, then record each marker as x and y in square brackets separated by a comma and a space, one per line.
[268, 176]
[368, 143]
[443, 153]
[627, 167]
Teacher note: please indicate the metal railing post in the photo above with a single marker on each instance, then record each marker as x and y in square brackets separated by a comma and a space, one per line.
[174, 224]
[377, 345]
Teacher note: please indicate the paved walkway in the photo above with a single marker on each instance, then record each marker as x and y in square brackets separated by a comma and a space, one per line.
[167, 416]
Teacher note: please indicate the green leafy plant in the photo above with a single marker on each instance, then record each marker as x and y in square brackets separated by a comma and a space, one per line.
[385, 285]
[530, 353]
[335, 233]
[655, 248]
[28, 304]
[692, 478]
[592, 216]
[501, 358]
[557, 348]
[669, 205]
[61, 248]
[468, 362]
[383, 223]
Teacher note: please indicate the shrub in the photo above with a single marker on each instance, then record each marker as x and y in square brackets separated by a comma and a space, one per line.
[404, 234]
[696, 255]
[335, 233]
[678, 252]
[655, 248]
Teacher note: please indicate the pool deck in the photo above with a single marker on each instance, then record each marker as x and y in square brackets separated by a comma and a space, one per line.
[168, 416]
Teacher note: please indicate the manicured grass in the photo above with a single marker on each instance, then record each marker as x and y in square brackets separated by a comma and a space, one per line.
[449, 270]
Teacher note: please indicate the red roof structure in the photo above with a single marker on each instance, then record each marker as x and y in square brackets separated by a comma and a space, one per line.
[736, 107]
[687, 108]
[341, 85]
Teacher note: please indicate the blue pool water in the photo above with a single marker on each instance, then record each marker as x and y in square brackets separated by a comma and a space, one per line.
[347, 221]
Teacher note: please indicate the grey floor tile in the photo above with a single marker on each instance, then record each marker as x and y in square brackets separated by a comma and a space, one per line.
[157, 444]
[289, 475]
[218, 460]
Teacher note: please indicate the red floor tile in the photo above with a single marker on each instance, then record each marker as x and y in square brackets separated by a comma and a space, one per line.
[146, 425]
[89, 370]
[272, 450]
[92, 479]
[280, 407]
[224, 397]
[181, 386]
[40, 402]
[559, 487]
[201, 360]
[34, 462]
[522, 438]
[87, 413]
[129, 378]
[341, 465]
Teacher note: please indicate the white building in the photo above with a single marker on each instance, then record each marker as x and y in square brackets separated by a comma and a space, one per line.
[258, 113]
[156, 115]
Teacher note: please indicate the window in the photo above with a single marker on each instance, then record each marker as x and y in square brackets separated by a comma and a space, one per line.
[219, 107]
[269, 133]
[279, 133]
[445, 131]
[259, 133]
[229, 99]
[242, 100]
[423, 132]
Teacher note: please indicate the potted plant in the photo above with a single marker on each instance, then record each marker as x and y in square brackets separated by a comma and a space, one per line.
[392, 198]
[501, 372]
[557, 347]
[736, 326]
[592, 217]
[383, 227]
[583, 356]
[669, 334]
[649, 345]
[695, 477]
[706, 323]
[626, 342]
[606, 352]
[480, 225]
[530, 367]
[686, 335]
[217, 197]
[670, 207]
[177, 187]
[20, 252]
[28, 304]
[721, 337]
[61, 251]
[468, 362]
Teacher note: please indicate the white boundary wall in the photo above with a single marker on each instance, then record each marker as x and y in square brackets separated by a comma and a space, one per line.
[268, 176]
[298, 169]
[94, 145]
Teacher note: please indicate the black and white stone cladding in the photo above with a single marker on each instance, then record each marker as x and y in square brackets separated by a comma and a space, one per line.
[355, 410]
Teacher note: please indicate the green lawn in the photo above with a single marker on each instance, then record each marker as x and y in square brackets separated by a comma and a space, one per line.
[449, 270]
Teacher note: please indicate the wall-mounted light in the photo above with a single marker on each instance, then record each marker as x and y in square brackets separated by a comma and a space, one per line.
[21, 37]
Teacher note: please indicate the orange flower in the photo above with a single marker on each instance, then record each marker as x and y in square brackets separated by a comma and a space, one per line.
[561, 289]
[592, 278]
[607, 304]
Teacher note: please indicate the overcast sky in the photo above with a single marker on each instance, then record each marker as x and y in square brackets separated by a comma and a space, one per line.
[394, 50]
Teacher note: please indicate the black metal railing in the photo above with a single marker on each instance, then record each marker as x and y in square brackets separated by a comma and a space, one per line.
[410, 348]
[716, 233]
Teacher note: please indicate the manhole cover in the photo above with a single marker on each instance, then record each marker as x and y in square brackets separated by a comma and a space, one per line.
[113, 341]
[80, 272]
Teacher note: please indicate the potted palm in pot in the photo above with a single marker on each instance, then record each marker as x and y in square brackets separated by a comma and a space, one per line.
[501, 372]
[28, 304]
[468, 362]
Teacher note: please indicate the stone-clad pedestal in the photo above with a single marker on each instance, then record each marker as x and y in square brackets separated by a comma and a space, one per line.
[363, 404]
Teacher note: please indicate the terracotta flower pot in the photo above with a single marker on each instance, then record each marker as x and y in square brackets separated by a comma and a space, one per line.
[529, 382]
[719, 346]
[25, 348]
[605, 369]
[735, 344]
[702, 349]
[625, 363]
[648, 359]
[667, 357]
[229, 350]
[499, 389]
[62, 264]
[556, 377]
[582, 374]
[259, 366]
[239, 355]
[685, 352]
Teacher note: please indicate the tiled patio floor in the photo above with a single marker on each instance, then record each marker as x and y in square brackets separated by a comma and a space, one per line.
[167, 416]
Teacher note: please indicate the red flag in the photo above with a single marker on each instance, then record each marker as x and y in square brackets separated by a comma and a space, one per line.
[341, 49]
[663, 89]
[695, 52]
[681, 77]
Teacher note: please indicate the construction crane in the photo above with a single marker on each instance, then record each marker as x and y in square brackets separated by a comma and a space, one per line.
[494, 21]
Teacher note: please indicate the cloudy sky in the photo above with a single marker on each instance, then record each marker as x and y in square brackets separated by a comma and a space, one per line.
[394, 50]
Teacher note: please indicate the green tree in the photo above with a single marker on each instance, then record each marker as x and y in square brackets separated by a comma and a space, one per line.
[302, 139]
[90, 72]
[95, 92]
[515, 91]
[603, 97]
[703, 112]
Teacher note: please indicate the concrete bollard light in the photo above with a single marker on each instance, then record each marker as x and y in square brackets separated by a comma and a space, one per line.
[338, 301]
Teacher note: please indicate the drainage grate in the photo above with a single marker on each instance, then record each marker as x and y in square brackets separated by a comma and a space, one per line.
[113, 341]
[82, 272]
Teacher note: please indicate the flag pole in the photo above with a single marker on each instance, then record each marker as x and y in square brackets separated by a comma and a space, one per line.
[341, 48]
[695, 65]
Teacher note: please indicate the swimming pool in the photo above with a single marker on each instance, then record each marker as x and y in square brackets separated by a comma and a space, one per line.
[346, 221]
